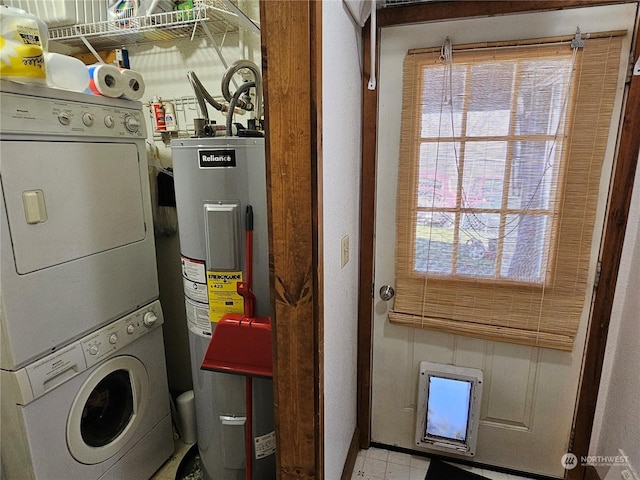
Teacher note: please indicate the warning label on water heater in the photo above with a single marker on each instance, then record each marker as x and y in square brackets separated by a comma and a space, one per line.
[223, 297]
[193, 269]
[196, 299]
[265, 445]
[198, 318]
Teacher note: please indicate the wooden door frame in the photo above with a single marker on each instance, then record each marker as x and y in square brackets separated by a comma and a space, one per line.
[291, 37]
[614, 232]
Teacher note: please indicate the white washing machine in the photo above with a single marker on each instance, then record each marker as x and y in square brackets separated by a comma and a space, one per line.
[95, 409]
[77, 249]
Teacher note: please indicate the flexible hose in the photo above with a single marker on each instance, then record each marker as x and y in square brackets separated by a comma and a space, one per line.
[202, 95]
[232, 104]
[200, 99]
[257, 75]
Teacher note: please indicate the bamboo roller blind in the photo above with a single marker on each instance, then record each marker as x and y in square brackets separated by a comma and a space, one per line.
[468, 140]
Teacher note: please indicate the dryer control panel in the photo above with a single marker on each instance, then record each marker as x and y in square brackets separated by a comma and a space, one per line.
[55, 369]
[108, 340]
[51, 116]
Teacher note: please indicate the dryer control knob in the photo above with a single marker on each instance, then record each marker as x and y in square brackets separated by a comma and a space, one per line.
[94, 349]
[131, 123]
[109, 121]
[64, 118]
[131, 328]
[150, 319]
[113, 338]
[87, 119]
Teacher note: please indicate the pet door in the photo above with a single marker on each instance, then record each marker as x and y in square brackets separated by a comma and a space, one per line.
[448, 408]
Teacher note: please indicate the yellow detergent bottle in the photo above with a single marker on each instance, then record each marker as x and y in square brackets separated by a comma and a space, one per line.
[22, 44]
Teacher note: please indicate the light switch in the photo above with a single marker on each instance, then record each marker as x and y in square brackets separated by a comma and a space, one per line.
[35, 210]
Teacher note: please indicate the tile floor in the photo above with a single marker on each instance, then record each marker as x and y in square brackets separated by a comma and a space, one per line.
[379, 464]
[371, 464]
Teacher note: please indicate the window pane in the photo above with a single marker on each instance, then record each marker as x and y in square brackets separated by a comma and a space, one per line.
[483, 180]
[541, 97]
[533, 172]
[438, 175]
[478, 244]
[433, 247]
[442, 109]
[489, 110]
[524, 252]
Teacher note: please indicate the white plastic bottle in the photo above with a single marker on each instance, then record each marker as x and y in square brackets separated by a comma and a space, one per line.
[67, 73]
[170, 121]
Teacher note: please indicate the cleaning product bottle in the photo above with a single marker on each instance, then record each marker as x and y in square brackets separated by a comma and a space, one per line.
[158, 114]
[22, 46]
[123, 12]
[170, 122]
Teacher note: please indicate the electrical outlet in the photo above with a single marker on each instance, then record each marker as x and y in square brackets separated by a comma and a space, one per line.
[344, 255]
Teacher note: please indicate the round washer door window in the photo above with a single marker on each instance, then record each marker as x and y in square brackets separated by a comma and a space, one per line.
[107, 410]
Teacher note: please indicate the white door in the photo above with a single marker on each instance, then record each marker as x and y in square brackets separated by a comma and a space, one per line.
[529, 393]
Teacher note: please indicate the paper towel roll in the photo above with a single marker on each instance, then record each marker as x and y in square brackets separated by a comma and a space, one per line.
[133, 84]
[106, 80]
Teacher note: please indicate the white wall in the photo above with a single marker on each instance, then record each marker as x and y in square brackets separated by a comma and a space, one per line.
[616, 424]
[341, 158]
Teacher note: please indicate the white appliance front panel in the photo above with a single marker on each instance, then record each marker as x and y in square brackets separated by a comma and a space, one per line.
[91, 194]
[79, 280]
[36, 434]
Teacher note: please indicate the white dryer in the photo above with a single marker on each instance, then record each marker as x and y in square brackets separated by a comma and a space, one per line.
[77, 248]
[96, 409]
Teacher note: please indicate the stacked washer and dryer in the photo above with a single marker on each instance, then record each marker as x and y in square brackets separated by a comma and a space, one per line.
[83, 374]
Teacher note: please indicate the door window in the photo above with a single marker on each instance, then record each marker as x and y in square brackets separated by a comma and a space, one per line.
[501, 155]
[108, 410]
[106, 413]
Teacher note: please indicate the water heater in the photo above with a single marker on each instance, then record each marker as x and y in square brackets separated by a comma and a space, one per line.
[216, 178]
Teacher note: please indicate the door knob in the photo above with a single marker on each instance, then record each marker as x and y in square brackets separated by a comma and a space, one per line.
[387, 292]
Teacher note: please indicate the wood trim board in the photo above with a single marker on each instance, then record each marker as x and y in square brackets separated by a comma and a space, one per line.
[291, 61]
[367, 234]
[352, 454]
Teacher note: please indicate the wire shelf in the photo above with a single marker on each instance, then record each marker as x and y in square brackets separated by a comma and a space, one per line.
[218, 16]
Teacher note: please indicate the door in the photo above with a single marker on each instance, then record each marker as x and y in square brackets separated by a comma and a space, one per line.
[529, 392]
[108, 409]
[90, 200]
[75, 225]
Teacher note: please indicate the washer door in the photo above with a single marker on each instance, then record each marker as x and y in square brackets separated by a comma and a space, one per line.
[107, 410]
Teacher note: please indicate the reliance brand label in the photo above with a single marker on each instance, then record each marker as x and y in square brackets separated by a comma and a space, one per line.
[217, 158]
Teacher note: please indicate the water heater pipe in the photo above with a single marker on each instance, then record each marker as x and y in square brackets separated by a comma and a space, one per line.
[235, 101]
[202, 95]
[257, 76]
